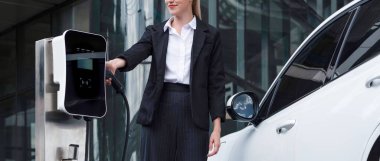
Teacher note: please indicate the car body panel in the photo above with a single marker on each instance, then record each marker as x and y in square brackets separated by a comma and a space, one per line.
[329, 123]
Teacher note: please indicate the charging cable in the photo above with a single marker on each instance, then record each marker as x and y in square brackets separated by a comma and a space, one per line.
[118, 87]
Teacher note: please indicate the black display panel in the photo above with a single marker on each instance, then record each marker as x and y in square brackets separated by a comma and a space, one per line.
[85, 65]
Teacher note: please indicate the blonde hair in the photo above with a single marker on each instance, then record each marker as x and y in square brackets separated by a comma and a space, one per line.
[197, 8]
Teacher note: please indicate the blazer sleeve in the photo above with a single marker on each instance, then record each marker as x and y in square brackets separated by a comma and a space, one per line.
[216, 81]
[139, 51]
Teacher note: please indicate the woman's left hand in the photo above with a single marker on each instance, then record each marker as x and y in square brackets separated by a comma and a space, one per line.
[215, 138]
[214, 143]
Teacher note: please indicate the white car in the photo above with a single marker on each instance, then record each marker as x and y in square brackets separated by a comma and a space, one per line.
[325, 103]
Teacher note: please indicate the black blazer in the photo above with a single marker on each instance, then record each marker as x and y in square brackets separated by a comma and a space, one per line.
[207, 78]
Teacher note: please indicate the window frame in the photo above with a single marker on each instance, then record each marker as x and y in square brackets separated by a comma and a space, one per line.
[264, 113]
[353, 22]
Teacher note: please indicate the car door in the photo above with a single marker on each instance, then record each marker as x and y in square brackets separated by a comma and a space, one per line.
[273, 139]
[336, 122]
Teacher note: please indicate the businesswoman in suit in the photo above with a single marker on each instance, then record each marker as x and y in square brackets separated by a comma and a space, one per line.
[185, 85]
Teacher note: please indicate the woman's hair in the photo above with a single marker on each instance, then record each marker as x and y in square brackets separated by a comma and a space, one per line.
[197, 8]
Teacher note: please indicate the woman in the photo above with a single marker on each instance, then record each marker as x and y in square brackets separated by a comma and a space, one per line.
[185, 86]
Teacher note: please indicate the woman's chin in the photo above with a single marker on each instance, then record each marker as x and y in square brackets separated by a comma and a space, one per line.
[173, 12]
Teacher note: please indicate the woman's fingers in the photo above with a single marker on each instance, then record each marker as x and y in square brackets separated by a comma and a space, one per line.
[114, 64]
[211, 144]
[112, 68]
[108, 81]
[214, 145]
[210, 149]
[217, 146]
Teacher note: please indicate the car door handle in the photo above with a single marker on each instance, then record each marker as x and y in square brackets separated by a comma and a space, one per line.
[285, 127]
[373, 82]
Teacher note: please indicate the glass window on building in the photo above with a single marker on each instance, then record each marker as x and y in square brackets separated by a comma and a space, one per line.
[17, 82]
[7, 58]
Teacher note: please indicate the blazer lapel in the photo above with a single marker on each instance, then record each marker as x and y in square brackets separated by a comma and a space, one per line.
[198, 42]
[162, 39]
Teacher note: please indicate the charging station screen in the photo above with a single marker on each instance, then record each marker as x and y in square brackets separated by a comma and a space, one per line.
[85, 64]
[85, 79]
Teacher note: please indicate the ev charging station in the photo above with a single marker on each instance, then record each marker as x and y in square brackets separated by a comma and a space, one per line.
[70, 74]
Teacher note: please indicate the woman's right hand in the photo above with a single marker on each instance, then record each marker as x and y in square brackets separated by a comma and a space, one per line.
[113, 65]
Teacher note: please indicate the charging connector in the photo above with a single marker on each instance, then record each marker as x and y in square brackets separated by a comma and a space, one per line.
[116, 84]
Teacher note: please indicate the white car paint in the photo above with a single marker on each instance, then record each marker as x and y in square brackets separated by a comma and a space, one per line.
[323, 130]
[328, 126]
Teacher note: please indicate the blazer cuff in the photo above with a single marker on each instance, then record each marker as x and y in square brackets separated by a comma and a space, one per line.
[127, 66]
[222, 117]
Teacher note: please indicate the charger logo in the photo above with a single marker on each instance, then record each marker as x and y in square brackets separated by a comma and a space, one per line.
[85, 83]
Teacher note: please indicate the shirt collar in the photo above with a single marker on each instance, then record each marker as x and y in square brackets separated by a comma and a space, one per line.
[192, 23]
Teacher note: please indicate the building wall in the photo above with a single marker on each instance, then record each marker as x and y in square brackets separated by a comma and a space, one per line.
[258, 37]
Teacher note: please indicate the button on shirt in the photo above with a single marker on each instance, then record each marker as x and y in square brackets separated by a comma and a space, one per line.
[178, 56]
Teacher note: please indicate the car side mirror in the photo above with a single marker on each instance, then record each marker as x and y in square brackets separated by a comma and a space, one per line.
[243, 106]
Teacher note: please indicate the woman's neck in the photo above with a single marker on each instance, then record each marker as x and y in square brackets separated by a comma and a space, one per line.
[179, 21]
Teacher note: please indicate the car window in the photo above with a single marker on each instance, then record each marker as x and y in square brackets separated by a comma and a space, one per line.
[362, 42]
[308, 71]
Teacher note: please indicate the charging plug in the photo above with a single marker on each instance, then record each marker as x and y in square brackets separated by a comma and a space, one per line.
[115, 82]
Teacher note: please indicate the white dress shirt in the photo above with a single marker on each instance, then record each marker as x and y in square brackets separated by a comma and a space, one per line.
[178, 56]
